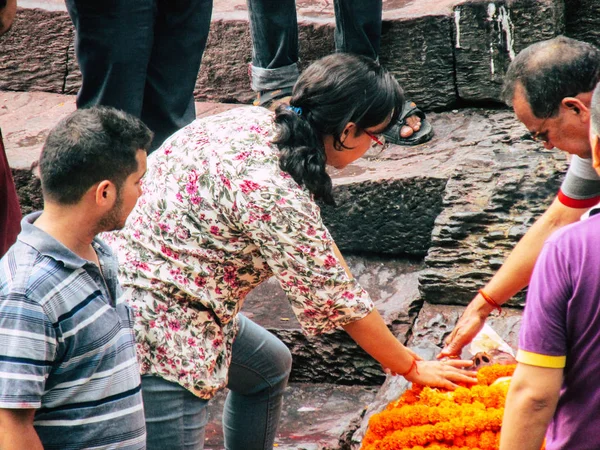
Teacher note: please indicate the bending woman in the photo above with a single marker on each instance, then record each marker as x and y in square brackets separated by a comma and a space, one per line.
[229, 201]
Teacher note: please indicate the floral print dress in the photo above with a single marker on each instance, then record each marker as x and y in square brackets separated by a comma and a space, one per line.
[216, 218]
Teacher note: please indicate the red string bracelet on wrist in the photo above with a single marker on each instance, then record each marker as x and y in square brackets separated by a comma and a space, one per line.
[490, 300]
[412, 366]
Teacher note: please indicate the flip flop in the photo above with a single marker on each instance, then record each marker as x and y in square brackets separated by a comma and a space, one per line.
[272, 99]
[392, 135]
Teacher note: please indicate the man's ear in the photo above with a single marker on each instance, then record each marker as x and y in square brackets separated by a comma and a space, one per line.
[595, 143]
[575, 106]
[105, 194]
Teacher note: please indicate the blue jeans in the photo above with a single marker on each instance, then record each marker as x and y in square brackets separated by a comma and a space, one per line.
[260, 367]
[141, 56]
[274, 29]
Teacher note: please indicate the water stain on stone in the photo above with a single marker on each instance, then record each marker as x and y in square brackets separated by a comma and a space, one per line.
[30, 141]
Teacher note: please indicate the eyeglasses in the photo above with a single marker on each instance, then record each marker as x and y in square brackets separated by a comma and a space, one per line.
[540, 136]
[378, 142]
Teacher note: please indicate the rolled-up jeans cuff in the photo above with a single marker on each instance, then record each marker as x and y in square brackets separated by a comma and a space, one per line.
[270, 79]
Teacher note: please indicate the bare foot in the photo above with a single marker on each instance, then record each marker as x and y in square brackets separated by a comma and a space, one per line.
[413, 124]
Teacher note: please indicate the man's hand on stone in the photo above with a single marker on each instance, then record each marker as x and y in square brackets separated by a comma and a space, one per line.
[467, 327]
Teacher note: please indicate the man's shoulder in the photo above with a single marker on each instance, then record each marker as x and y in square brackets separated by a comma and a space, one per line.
[581, 234]
[28, 274]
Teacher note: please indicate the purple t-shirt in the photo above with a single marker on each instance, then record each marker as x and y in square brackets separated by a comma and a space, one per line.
[562, 319]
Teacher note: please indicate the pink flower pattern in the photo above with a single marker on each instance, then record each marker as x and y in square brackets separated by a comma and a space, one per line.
[217, 217]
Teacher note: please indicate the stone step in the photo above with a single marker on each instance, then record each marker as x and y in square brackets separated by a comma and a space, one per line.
[314, 417]
[442, 51]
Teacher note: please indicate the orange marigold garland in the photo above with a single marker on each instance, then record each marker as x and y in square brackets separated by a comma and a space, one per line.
[425, 418]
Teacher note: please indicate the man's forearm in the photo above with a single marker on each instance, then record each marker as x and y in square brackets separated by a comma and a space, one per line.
[530, 405]
[24, 439]
[17, 431]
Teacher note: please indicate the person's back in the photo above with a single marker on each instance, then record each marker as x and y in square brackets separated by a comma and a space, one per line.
[561, 325]
[69, 377]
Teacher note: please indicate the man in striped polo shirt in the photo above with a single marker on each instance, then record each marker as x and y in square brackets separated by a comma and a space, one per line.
[69, 377]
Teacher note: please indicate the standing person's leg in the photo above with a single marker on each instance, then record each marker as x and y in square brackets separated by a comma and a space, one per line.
[358, 31]
[175, 418]
[10, 212]
[180, 35]
[274, 29]
[258, 375]
[113, 44]
[358, 27]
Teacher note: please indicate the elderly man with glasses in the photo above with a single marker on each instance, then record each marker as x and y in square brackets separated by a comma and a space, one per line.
[550, 86]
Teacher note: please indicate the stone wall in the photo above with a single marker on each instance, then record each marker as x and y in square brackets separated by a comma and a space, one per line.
[442, 52]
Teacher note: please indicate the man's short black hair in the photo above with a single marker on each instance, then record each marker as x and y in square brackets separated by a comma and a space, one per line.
[88, 146]
[550, 71]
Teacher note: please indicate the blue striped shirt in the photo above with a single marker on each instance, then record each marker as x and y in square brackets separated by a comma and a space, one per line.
[67, 348]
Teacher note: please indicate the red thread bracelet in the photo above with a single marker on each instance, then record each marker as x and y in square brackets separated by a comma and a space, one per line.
[412, 366]
[490, 301]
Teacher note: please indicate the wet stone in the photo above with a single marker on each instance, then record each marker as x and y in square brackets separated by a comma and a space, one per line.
[314, 416]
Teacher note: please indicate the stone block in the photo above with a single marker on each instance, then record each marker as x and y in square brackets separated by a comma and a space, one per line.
[33, 54]
[389, 217]
[583, 20]
[417, 51]
[73, 78]
[488, 35]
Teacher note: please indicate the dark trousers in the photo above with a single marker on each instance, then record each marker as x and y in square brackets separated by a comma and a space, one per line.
[10, 212]
[274, 29]
[141, 56]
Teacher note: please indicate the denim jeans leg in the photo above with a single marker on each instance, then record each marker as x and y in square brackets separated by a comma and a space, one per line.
[358, 27]
[180, 35]
[175, 418]
[274, 30]
[113, 43]
[258, 375]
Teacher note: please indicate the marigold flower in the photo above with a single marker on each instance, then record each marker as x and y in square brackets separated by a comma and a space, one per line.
[425, 418]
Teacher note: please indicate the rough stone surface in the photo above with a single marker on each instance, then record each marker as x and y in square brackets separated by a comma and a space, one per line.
[385, 216]
[583, 20]
[418, 52]
[488, 35]
[33, 54]
[334, 357]
[503, 184]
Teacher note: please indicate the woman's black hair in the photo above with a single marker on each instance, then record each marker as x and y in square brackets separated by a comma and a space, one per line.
[332, 92]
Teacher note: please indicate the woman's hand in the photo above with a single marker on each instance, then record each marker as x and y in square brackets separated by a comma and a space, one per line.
[442, 374]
